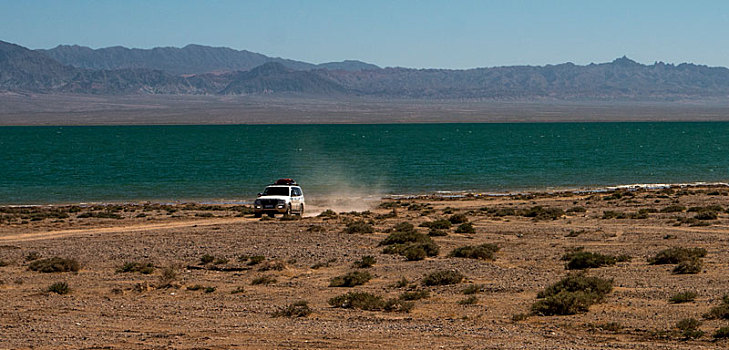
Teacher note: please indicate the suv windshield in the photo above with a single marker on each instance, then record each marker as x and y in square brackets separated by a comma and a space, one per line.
[276, 191]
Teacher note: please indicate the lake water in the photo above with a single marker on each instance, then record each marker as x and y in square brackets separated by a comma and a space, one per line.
[233, 162]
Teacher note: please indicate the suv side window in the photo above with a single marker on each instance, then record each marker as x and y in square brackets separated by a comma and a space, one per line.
[295, 192]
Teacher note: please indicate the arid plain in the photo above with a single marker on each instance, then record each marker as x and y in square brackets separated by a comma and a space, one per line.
[191, 276]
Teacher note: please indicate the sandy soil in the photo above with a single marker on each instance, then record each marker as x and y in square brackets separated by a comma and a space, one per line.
[129, 310]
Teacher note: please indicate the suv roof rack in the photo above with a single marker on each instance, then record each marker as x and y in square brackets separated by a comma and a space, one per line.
[285, 181]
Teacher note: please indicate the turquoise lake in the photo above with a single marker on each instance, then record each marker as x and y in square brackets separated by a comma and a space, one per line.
[73, 164]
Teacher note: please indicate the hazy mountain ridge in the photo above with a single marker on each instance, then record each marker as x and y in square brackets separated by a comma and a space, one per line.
[22, 69]
[274, 77]
[191, 59]
[622, 78]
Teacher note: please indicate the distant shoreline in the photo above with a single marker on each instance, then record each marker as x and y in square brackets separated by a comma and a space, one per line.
[436, 195]
[74, 109]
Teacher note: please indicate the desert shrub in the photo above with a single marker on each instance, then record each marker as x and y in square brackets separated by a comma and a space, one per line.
[134, 266]
[543, 213]
[430, 248]
[715, 208]
[256, 259]
[298, 309]
[358, 300]
[32, 256]
[55, 264]
[458, 219]
[721, 333]
[706, 215]
[414, 252]
[579, 281]
[484, 251]
[206, 259]
[403, 227]
[415, 295]
[264, 280]
[391, 214]
[581, 260]
[689, 328]
[465, 227]
[499, 211]
[400, 237]
[435, 232]
[351, 279]
[443, 277]
[397, 305]
[365, 262]
[401, 283]
[316, 229]
[99, 214]
[416, 206]
[323, 264]
[692, 333]
[328, 214]
[719, 312]
[573, 294]
[195, 287]
[471, 300]
[519, 317]
[611, 214]
[442, 224]
[4, 263]
[563, 303]
[673, 209]
[574, 233]
[359, 226]
[412, 245]
[59, 288]
[683, 297]
[576, 210]
[168, 277]
[220, 261]
[623, 258]
[274, 265]
[640, 214]
[473, 289]
[238, 290]
[676, 255]
[687, 267]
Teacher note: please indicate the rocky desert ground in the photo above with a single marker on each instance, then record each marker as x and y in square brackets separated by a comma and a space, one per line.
[640, 269]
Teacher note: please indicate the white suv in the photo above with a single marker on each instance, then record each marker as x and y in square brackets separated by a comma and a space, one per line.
[282, 197]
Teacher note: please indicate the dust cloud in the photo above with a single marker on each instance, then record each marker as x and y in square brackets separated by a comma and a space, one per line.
[341, 197]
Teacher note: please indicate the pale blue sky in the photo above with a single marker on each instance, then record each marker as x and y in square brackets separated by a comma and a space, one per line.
[421, 34]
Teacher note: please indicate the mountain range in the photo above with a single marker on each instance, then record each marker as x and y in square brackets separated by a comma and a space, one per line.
[197, 69]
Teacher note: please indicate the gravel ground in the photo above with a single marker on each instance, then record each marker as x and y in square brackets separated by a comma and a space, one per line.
[114, 310]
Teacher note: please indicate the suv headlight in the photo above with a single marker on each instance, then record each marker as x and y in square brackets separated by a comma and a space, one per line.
[281, 203]
[257, 204]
